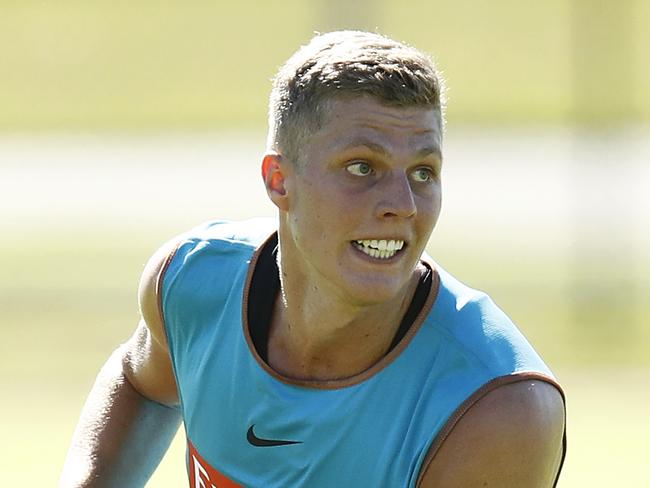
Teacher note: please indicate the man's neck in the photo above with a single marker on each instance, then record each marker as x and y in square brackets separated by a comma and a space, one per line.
[316, 335]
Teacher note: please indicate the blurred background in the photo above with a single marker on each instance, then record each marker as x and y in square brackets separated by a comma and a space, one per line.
[125, 123]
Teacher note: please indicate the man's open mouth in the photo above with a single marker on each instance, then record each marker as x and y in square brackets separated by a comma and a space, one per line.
[379, 248]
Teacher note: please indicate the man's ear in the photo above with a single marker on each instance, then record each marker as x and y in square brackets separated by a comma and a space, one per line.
[274, 174]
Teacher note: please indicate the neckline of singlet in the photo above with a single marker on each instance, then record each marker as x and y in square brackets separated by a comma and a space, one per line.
[265, 285]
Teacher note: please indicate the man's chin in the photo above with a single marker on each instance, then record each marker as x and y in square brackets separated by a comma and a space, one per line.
[371, 292]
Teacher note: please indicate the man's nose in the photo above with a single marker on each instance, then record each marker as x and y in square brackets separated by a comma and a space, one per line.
[396, 196]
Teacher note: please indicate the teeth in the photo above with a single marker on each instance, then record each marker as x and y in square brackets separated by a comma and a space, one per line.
[379, 248]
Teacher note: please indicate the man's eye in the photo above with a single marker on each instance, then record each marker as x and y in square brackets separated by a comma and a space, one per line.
[359, 168]
[422, 175]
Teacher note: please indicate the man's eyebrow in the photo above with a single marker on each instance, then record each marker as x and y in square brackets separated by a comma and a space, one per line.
[428, 150]
[378, 148]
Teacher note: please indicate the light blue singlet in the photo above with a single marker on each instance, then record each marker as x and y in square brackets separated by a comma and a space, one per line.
[371, 430]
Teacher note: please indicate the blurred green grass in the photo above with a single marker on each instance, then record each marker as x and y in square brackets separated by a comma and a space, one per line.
[187, 65]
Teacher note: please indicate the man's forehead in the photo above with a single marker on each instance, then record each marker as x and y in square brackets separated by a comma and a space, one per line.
[365, 111]
[377, 126]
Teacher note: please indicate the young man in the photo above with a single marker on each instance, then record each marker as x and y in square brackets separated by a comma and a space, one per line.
[323, 349]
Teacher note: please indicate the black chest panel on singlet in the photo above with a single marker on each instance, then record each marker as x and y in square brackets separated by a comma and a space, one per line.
[265, 286]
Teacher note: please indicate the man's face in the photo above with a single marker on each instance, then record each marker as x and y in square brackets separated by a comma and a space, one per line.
[364, 198]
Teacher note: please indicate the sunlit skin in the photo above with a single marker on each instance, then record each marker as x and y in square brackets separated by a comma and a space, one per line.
[371, 172]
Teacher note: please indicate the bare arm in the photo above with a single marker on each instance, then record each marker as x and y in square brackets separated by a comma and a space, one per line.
[510, 438]
[131, 414]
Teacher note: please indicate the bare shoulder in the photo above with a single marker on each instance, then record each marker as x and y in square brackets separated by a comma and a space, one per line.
[146, 360]
[510, 437]
[150, 289]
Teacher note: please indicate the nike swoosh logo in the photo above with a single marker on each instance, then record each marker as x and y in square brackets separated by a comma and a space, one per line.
[257, 442]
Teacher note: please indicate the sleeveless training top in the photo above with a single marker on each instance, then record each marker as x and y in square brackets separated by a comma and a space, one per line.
[247, 425]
